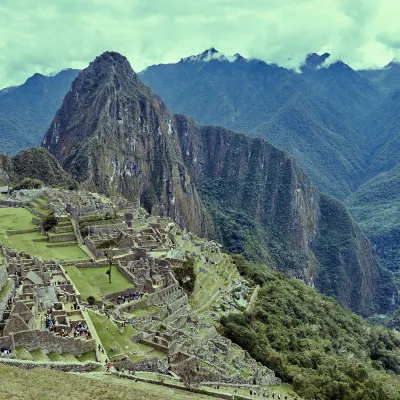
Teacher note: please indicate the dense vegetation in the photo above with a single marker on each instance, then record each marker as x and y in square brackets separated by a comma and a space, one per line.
[376, 206]
[323, 350]
[186, 274]
[33, 167]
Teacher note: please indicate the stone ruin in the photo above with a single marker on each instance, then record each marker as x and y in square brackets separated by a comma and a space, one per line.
[173, 328]
[35, 288]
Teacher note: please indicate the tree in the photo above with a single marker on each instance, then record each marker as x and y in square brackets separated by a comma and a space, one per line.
[107, 246]
[29, 183]
[189, 374]
[49, 222]
[186, 274]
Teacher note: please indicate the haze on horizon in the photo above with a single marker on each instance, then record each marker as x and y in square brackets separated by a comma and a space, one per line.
[46, 36]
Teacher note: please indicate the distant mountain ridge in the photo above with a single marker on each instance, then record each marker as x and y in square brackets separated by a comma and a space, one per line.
[340, 125]
[257, 98]
[113, 134]
[27, 110]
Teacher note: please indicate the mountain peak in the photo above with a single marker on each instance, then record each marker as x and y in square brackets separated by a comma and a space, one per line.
[111, 67]
[314, 60]
[36, 77]
[394, 63]
[205, 56]
[110, 57]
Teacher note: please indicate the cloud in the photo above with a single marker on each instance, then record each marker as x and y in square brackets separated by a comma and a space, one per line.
[46, 35]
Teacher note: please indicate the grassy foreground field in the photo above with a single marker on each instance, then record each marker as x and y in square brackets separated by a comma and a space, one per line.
[41, 384]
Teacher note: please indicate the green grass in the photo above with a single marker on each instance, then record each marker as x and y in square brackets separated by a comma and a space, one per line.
[38, 355]
[94, 281]
[21, 219]
[44, 384]
[39, 209]
[89, 356]
[55, 356]
[15, 219]
[113, 337]
[69, 357]
[142, 312]
[23, 354]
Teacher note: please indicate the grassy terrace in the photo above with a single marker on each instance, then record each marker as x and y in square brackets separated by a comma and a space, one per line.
[110, 335]
[15, 219]
[94, 281]
[208, 286]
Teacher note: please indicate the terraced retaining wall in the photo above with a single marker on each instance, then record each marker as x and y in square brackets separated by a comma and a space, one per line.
[5, 298]
[58, 366]
[62, 238]
[42, 340]
[10, 203]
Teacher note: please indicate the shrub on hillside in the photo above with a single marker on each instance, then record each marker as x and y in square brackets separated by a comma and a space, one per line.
[49, 222]
[28, 183]
[186, 275]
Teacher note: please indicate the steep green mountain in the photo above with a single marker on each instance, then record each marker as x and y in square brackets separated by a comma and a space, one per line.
[34, 163]
[346, 89]
[337, 123]
[376, 202]
[376, 205]
[323, 350]
[307, 114]
[26, 111]
[114, 135]
[383, 135]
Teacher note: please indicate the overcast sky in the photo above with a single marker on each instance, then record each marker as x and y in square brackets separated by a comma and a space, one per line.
[49, 35]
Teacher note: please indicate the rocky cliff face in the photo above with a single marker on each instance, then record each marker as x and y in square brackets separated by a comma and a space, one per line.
[248, 183]
[114, 135]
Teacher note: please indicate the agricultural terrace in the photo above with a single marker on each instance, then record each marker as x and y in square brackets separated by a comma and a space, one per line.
[94, 281]
[34, 243]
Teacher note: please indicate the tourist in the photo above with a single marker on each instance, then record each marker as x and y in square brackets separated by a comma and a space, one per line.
[108, 366]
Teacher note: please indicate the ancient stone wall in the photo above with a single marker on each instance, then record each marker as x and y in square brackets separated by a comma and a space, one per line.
[92, 247]
[10, 203]
[62, 238]
[128, 275]
[179, 313]
[156, 346]
[3, 276]
[23, 231]
[165, 295]
[61, 245]
[5, 298]
[58, 366]
[176, 305]
[42, 340]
